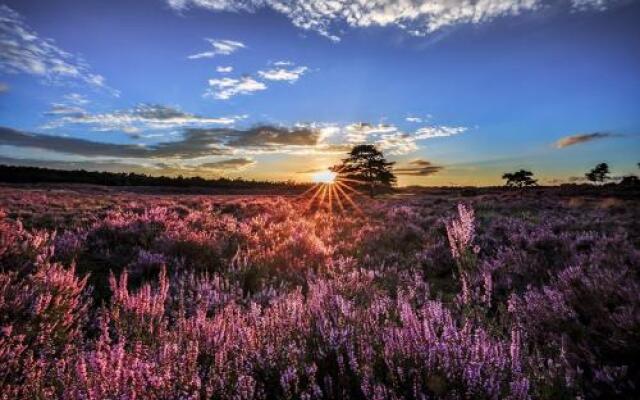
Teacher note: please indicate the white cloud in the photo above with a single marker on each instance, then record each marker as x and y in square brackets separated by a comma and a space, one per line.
[76, 98]
[143, 117]
[429, 132]
[413, 119]
[361, 132]
[283, 63]
[220, 47]
[225, 88]
[224, 70]
[22, 50]
[337, 138]
[283, 74]
[418, 17]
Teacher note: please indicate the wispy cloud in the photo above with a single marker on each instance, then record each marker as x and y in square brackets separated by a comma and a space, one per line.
[582, 138]
[418, 17]
[224, 70]
[22, 50]
[190, 146]
[429, 132]
[193, 143]
[141, 118]
[235, 164]
[4, 87]
[388, 137]
[418, 168]
[261, 137]
[220, 47]
[283, 74]
[226, 88]
[413, 119]
[206, 169]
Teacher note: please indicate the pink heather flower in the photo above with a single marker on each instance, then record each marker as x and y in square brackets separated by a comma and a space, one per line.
[461, 231]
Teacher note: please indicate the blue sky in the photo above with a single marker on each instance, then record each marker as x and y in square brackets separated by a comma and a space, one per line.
[272, 89]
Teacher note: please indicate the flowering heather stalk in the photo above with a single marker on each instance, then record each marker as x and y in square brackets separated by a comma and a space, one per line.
[461, 232]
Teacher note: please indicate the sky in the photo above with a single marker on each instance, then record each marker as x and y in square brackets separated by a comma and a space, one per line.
[455, 92]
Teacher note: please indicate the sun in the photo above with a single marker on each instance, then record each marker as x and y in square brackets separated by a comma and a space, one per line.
[326, 177]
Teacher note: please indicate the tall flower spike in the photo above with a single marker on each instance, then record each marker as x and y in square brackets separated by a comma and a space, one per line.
[461, 231]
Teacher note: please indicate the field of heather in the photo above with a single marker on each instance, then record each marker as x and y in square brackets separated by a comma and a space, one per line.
[444, 294]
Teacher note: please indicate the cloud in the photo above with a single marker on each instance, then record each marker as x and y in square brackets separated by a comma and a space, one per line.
[224, 70]
[22, 50]
[210, 169]
[418, 168]
[582, 138]
[283, 74]
[361, 132]
[194, 143]
[418, 17]
[413, 119]
[190, 146]
[429, 132]
[226, 88]
[228, 164]
[387, 137]
[76, 98]
[143, 117]
[390, 138]
[262, 137]
[4, 88]
[220, 47]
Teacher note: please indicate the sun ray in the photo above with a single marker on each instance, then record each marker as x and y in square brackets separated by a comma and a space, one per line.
[349, 199]
[309, 190]
[330, 198]
[322, 196]
[342, 179]
[338, 200]
[310, 203]
[351, 189]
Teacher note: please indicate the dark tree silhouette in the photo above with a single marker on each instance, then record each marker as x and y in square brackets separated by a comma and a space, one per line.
[366, 167]
[20, 174]
[519, 179]
[598, 174]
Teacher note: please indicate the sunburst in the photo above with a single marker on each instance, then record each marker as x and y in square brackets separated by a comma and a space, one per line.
[331, 188]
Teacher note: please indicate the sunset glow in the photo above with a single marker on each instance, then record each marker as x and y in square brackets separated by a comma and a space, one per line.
[326, 177]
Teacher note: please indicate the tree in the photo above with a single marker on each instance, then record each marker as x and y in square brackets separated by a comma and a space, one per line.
[519, 179]
[598, 174]
[366, 166]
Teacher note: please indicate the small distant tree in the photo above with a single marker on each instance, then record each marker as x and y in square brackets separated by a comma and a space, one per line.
[522, 178]
[366, 166]
[598, 174]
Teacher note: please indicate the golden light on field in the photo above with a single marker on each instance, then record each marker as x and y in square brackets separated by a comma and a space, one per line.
[324, 177]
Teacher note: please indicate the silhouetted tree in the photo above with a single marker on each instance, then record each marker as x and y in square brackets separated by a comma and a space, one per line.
[598, 174]
[366, 166]
[519, 179]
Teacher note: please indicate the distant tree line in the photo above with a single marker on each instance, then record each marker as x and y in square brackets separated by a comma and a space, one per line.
[598, 175]
[19, 174]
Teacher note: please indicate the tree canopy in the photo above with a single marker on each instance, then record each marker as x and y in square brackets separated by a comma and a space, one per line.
[366, 167]
[521, 178]
[599, 173]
